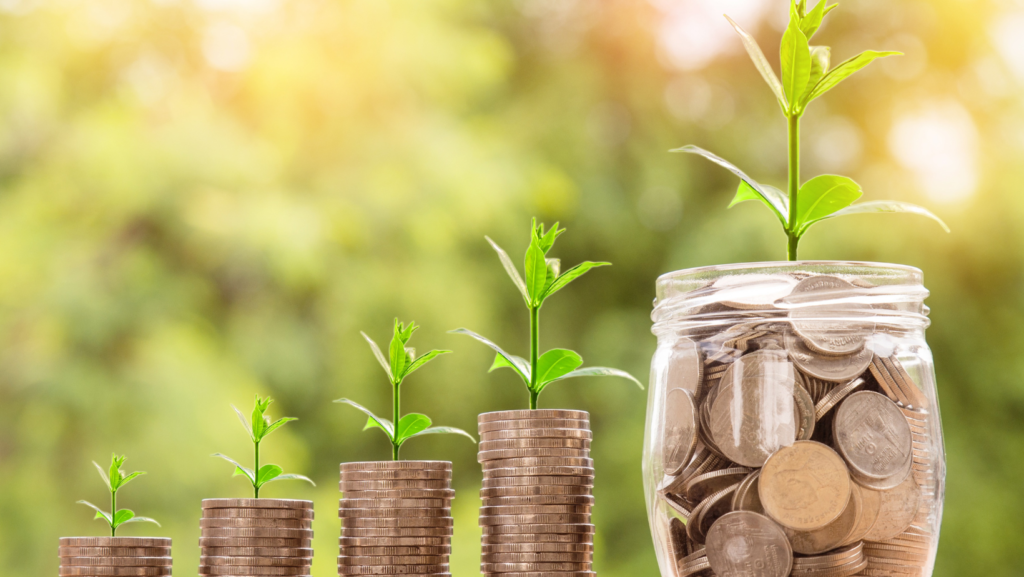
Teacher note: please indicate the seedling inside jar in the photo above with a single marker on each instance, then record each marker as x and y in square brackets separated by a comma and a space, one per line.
[258, 429]
[399, 364]
[115, 478]
[543, 279]
[806, 76]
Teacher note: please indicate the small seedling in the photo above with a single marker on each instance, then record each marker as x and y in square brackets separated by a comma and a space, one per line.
[258, 430]
[805, 77]
[115, 479]
[543, 279]
[399, 364]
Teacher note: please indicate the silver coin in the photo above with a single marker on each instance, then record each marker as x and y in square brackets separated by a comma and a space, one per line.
[680, 439]
[825, 367]
[741, 540]
[872, 435]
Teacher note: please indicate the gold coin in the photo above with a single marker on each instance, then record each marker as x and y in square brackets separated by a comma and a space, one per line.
[804, 486]
[537, 538]
[529, 548]
[112, 571]
[258, 513]
[395, 551]
[530, 453]
[251, 571]
[257, 551]
[539, 500]
[541, 557]
[439, 541]
[539, 462]
[534, 489]
[831, 536]
[538, 480]
[505, 444]
[395, 475]
[115, 561]
[378, 522]
[559, 528]
[871, 502]
[535, 510]
[347, 512]
[534, 519]
[255, 561]
[256, 504]
[896, 511]
[114, 551]
[386, 485]
[256, 522]
[262, 532]
[401, 494]
[533, 414]
[393, 503]
[253, 542]
[533, 567]
[396, 531]
[392, 569]
[539, 471]
[396, 465]
[115, 542]
[393, 560]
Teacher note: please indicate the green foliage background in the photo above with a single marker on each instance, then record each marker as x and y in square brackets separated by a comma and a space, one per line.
[204, 200]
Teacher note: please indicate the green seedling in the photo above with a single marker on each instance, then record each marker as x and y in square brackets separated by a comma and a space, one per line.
[115, 479]
[543, 280]
[399, 364]
[258, 430]
[806, 76]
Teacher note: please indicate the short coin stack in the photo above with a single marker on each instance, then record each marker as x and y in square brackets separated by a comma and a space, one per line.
[113, 556]
[256, 537]
[396, 518]
[537, 493]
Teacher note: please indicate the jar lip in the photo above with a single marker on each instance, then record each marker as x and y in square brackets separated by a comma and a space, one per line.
[682, 274]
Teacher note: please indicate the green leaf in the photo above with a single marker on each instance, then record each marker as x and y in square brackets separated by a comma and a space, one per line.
[424, 359]
[810, 23]
[267, 472]
[245, 423]
[821, 58]
[239, 468]
[823, 195]
[779, 203]
[380, 356]
[115, 471]
[500, 362]
[138, 519]
[773, 197]
[259, 422]
[125, 480]
[893, 206]
[103, 475]
[553, 266]
[277, 425]
[517, 364]
[100, 513]
[761, 63]
[411, 424]
[570, 275]
[397, 351]
[596, 372]
[796, 64]
[443, 431]
[536, 273]
[383, 424]
[290, 477]
[510, 268]
[845, 69]
[545, 240]
[121, 517]
[556, 363]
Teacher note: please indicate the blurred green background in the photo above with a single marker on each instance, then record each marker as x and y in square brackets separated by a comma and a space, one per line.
[205, 199]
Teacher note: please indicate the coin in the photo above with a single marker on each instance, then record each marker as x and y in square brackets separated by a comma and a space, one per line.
[379, 522]
[114, 551]
[521, 538]
[396, 465]
[534, 509]
[256, 522]
[711, 509]
[703, 486]
[534, 414]
[577, 481]
[392, 569]
[112, 571]
[115, 542]
[804, 486]
[251, 571]
[753, 424]
[377, 475]
[262, 532]
[392, 503]
[746, 497]
[872, 435]
[540, 557]
[548, 574]
[116, 561]
[559, 528]
[830, 536]
[395, 551]
[258, 551]
[534, 519]
[836, 395]
[511, 434]
[346, 512]
[539, 548]
[486, 456]
[255, 561]
[534, 489]
[540, 500]
[538, 471]
[387, 485]
[396, 531]
[401, 494]
[532, 567]
[392, 560]
[896, 511]
[387, 541]
[256, 504]
[741, 539]
[491, 426]
[542, 443]
[828, 368]
[259, 513]
[205, 541]
[753, 292]
[680, 439]
[539, 462]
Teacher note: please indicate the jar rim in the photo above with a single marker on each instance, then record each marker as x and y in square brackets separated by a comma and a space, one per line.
[848, 267]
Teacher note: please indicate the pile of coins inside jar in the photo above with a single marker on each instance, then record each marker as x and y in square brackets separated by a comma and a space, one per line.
[254, 537]
[112, 556]
[537, 493]
[795, 440]
[396, 518]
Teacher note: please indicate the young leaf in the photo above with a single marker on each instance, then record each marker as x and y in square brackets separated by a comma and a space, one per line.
[422, 361]
[259, 422]
[545, 240]
[443, 431]
[845, 69]
[556, 363]
[596, 372]
[823, 195]
[100, 513]
[521, 364]
[125, 480]
[821, 58]
[762, 64]
[570, 275]
[796, 64]
[138, 519]
[810, 23]
[115, 471]
[410, 425]
[510, 268]
[554, 266]
[245, 423]
[536, 273]
[523, 369]
[380, 356]
[277, 425]
[779, 205]
[384, 424]
[290, 477]
[239, 468]
[781, 208]
[267, 472]
[122, 516]
[879, 206]
[103, 475]
[397, 351]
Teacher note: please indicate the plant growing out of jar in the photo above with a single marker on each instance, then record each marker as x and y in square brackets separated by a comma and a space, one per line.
[259, 428]
[807, 75]
[542, 280]
[398, 365]
[114, 478]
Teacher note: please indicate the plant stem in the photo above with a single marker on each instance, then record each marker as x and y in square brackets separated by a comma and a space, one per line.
[794, 182]
[534, 347]
[256, 470]
[395, 402]
[113, 512]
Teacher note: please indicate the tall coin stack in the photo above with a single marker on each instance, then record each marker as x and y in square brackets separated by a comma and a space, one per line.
[255, 537]
[537, 493]
[111, 556]
[396, 518]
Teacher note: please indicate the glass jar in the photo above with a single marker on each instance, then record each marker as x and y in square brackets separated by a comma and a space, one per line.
[793, 423]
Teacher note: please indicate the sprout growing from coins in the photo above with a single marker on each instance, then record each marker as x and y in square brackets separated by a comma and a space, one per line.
[543, 280]
[258, 429]
[806, 76]
[115, 478]
[399, 364]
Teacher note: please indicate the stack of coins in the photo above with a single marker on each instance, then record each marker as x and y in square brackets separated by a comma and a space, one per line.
[256, 537]
[112, 556]
[396, 518]
[537, 493]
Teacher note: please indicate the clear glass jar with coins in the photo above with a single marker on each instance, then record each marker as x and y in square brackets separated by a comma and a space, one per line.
[792, 425]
